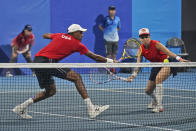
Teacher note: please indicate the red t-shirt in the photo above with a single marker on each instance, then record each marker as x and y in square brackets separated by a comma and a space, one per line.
[152, 53]
[21, 41]
[61, 46]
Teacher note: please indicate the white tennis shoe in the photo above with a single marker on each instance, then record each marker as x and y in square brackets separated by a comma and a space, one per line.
[97, 110]
[8, 74]
[158, 108]
[152, 104]
[22, 112]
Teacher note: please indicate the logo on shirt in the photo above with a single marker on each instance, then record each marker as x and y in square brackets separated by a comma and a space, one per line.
[66, 37]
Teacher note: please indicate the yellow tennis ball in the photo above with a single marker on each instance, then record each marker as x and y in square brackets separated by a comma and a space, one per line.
[166, 61]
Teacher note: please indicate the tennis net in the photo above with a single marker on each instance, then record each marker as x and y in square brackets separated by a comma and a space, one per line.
[128, 101]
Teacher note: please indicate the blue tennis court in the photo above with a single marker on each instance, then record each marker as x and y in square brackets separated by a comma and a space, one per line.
[128, 105]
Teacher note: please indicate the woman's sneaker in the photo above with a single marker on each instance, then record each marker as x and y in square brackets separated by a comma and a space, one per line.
[158, 108]
[152, 104]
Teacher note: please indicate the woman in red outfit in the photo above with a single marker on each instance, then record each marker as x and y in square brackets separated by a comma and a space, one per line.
[22, 45]
[154, 51]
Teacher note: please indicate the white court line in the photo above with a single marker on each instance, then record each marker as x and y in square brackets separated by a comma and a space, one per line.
[34, 89]
[104, 121]
[127, 92]
[107, 121]
[107, 90]
[89, 89]
[182, 89]
[64, 90]
[127, 105]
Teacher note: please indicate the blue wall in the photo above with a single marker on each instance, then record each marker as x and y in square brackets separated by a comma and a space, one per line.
[89, 13]
[163, 17]
[15, 14]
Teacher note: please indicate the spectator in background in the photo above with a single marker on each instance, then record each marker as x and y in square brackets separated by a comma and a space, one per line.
[110, 28]
[22, 45]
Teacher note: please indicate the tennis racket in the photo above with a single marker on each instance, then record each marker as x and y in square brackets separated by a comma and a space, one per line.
[103, 75]
[22, 50]
[131, 49]
[99, 75]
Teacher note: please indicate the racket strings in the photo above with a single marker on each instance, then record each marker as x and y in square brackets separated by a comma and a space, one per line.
[131, 48]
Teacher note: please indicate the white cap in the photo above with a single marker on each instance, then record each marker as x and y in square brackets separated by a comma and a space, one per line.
[75, 27]
[144, 31]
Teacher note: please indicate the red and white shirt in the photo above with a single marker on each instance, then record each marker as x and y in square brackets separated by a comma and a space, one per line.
[21, 41]
[61, 46]
[152, 53]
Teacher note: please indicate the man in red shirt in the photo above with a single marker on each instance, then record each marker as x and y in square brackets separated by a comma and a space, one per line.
[61, 46]
[22, 45]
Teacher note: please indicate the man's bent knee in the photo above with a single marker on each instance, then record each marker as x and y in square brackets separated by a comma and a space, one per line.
[50, 92]
[159, 80]
[78, 77]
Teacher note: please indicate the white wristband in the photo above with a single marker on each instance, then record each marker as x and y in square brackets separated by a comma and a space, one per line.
[178, 58]
[109, 60]
[134, 74]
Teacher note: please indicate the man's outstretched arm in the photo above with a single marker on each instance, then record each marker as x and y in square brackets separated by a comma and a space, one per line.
[98, 58]
[47, 36]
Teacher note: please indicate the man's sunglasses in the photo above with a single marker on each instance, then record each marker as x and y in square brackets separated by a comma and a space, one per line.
[144, 36]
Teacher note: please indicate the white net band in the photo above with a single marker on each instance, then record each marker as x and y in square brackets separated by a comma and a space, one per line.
[95, 65]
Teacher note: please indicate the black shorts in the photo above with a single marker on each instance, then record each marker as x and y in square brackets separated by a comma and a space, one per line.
[45, 75]
[155, 71]
[111, 48]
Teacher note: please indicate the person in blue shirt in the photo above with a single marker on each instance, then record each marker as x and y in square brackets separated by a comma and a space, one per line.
[110, 28]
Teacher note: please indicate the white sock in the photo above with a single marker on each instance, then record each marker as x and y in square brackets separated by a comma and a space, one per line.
[153, 97]
[27, 103]
[159, 93]
[88, 103]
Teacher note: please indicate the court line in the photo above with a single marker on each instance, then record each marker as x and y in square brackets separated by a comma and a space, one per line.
[59, 90]
[126, 92]
[182, 89]
[92, 89]
[107, 90]
[99, 120]
[128, 105]
[104, 121]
